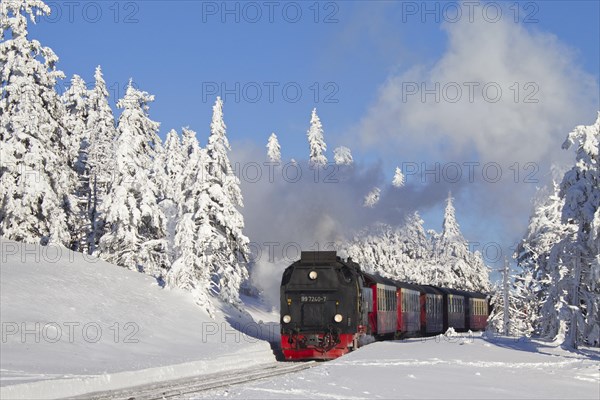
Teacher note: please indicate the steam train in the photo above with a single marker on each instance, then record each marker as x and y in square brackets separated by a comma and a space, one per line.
[328, 305]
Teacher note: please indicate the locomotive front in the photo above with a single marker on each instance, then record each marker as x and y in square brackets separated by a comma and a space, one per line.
[320, 307]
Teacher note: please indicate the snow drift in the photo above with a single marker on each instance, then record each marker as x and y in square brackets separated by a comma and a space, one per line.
[73, 324]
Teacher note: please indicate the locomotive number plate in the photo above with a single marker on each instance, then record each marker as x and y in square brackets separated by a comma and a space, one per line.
[313, 299]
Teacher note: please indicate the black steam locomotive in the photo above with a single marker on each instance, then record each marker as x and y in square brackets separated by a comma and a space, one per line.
[329, 304]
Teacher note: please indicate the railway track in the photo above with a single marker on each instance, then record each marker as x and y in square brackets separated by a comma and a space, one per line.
[198, 384]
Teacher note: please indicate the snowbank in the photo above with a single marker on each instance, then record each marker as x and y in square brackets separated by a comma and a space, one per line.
[73, 324]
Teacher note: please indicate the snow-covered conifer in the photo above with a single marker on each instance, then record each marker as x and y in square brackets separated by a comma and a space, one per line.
[191, 269]
[372, 198]
[580, 189]
[398, 178]
[273, 149]
[316, 140]
[541, 255]
[342, 156]
[458, 267]
[75, 101]
[227, 245]
[34, 177]
[100, 158]
[136, 233]
[170, 164]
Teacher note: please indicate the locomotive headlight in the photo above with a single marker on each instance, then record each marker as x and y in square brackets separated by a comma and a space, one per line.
[338, 318]
[312, 275]
[287, 319]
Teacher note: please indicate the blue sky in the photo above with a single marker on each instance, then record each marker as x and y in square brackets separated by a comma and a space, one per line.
[353, 52]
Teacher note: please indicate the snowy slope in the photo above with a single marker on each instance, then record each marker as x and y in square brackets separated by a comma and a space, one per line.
[73, 324]
[440, 367]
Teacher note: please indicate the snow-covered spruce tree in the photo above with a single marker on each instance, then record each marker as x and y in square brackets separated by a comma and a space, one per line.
[136, 224]
[580, 189]
[507, 315]
[372, 198]
[169, 167]
[398, 180]
[543, 282]
[100, 159]
[273, 149]
[342, 156]
[191, 269]
[226, 243]
[33, 175]
[75, 101]
[316, 141]
[458, 267]
[418, 247]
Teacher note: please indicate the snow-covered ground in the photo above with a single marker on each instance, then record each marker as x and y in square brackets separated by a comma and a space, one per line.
[73, 324]
[440, 367]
